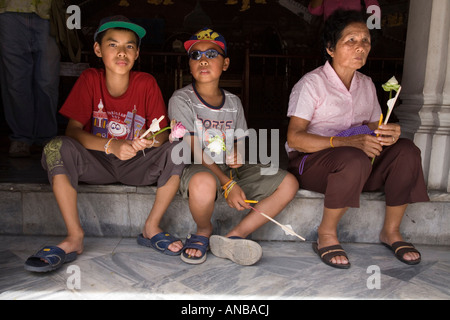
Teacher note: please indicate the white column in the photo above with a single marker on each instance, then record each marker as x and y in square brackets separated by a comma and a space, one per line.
[425, 110]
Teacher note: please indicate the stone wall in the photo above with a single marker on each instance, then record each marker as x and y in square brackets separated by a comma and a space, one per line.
[121, 211]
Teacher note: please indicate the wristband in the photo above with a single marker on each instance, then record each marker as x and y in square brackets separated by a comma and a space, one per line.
[331, 142]
[107, 145]
[228, 190]
[225, 186]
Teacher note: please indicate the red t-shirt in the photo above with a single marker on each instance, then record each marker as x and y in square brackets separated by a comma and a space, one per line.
[122, 117]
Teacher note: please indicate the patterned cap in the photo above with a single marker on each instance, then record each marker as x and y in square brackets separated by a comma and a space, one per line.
[206, 34]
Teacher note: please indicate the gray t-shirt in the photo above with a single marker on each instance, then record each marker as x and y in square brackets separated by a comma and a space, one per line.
[226, 121]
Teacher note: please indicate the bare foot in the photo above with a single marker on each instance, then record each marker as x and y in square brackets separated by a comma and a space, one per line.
[72, 244]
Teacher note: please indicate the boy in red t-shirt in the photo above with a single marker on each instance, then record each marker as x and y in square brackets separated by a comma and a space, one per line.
[108, 110]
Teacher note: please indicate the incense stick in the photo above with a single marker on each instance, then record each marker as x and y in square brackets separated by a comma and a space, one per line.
[285, 228]
[151, 127]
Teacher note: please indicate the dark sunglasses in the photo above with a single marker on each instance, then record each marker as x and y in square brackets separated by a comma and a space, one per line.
[210, 54]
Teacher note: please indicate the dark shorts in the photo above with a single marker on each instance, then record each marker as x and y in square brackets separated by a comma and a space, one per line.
[64, 155]
[341, 174]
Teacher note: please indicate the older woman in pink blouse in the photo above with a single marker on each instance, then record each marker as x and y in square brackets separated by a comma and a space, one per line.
[325, 157]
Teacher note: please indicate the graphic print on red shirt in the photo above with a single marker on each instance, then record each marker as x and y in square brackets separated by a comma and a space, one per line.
[106, 116]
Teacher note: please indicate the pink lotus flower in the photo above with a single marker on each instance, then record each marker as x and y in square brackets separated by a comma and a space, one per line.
[178, 130]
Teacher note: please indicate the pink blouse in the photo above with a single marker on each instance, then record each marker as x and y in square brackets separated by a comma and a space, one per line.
[321, 98]
[329, 6]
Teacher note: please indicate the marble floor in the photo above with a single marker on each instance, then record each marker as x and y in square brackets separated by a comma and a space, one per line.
[118, 268]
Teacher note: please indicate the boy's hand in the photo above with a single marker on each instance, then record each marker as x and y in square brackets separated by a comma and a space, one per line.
[234, 160]
[122, 149]
[141, 144]
[236, 199]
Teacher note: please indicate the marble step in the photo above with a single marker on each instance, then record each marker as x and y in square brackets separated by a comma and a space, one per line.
[120, 211]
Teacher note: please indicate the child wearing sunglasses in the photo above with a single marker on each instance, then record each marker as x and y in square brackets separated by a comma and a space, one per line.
[213, 115]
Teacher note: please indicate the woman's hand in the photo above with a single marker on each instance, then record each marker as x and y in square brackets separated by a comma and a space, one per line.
[388, 133]
[302, 141]
[365, 142]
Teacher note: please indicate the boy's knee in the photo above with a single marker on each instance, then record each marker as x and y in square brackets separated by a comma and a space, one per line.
[56, 145]
[60, 152]
[51, 155]
[202, 184]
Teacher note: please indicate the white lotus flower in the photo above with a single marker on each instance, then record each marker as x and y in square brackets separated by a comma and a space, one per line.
[216, 145]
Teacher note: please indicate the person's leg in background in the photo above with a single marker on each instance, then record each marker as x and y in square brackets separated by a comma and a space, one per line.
[46, 81]
[29, 75]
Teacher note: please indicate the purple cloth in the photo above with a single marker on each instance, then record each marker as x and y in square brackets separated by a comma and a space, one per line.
[355, 131]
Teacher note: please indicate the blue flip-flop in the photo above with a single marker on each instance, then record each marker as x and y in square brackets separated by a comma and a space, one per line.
[49, 258]
[160, 242]
[192, 242]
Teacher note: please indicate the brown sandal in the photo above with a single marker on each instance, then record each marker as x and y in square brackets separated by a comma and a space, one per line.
[400, 248]
[327, 253]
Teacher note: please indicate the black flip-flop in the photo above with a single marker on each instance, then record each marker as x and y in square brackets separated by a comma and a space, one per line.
[327, 253]
[400, 248]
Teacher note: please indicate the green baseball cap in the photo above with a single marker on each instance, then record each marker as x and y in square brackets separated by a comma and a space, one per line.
[119, 22]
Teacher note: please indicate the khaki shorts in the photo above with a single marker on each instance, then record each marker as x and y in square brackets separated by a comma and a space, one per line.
[248, 177]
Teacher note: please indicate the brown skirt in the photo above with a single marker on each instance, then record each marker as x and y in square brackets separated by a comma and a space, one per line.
[341, 174]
